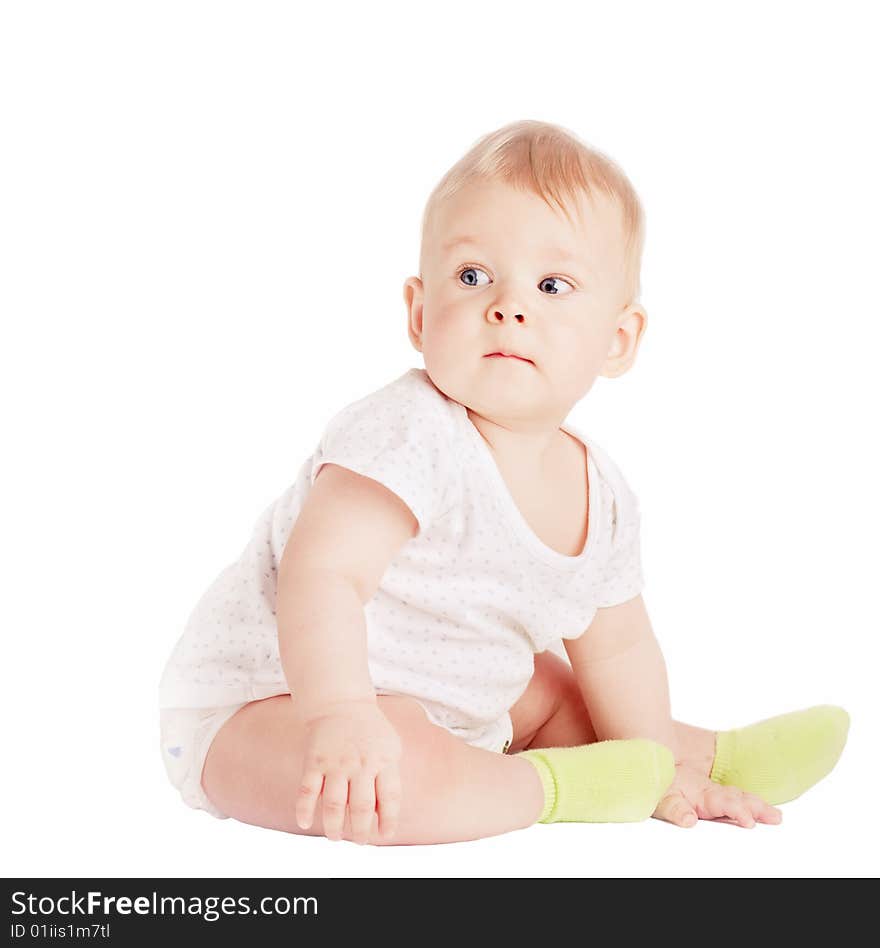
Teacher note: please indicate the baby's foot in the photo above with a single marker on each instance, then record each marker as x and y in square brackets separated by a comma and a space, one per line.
[781, 757]
[606, 782]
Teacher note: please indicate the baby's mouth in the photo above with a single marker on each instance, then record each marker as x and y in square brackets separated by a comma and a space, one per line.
[502, 355]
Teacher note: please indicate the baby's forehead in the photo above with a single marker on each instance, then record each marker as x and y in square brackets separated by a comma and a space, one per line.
[492, 216]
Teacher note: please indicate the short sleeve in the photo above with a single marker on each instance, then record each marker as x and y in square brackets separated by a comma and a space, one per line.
[622, 576]
[398, 437]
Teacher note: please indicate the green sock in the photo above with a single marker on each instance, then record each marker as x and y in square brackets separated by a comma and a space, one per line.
[779, 758]
[606, 782]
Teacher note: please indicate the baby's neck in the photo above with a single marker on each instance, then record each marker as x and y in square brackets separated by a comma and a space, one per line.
[526, 451]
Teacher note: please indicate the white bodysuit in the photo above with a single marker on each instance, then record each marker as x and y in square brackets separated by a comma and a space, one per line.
[465, 604]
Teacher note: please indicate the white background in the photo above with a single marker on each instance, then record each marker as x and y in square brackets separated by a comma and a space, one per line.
[208, 212]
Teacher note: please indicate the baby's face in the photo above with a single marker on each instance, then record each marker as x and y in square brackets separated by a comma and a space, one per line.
[504, 272]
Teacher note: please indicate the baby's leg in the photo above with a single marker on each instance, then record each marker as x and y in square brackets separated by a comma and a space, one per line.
[776, 759]
[451, 791]
[551, 713]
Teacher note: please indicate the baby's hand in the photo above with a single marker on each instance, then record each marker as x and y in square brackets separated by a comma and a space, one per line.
[353, 751]
[692, 796]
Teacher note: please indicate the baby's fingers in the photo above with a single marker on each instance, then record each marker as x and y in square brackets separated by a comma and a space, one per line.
[362, 806]
[388, 795]
[763, 812]
[335, 799]
[675, 808]
[722, 801]
[307, 796]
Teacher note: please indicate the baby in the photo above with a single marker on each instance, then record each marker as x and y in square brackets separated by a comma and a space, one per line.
[386, 661]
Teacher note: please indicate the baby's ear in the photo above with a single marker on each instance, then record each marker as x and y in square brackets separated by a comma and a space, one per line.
[631, 326]
[414, 297]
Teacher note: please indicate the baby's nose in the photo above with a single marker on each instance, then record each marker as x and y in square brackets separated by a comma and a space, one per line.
[500, 316]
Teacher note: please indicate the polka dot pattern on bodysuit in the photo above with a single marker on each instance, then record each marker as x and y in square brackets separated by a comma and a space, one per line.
[461, 610]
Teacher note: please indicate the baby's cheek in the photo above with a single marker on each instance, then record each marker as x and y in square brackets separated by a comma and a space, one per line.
[447, 351]
[588, 348]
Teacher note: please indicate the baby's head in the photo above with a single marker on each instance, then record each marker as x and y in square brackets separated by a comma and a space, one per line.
[531, 245]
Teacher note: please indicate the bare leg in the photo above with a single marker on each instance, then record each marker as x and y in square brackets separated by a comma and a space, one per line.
[552, 713]
[450, 790]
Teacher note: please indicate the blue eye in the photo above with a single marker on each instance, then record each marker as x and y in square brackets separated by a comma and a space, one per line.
[471, 280]
[468, 276]
[555, 280]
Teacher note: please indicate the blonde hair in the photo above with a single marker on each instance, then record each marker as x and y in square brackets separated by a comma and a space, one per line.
[553, 163]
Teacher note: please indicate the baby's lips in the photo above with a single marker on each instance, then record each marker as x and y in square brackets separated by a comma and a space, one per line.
[506, 355]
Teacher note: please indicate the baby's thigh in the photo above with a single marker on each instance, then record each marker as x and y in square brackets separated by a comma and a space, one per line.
[253, 767]
[552, 685]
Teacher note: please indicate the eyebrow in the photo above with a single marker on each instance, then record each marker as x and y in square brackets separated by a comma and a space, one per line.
[557, 252]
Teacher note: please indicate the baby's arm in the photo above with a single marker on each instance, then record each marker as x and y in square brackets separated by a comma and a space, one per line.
[347, 532]
[622, 676]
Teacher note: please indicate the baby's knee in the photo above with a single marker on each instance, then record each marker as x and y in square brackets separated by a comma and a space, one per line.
[432, 762]
[428, 751]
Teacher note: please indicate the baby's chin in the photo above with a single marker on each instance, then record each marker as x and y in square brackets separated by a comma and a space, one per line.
[497, 399]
